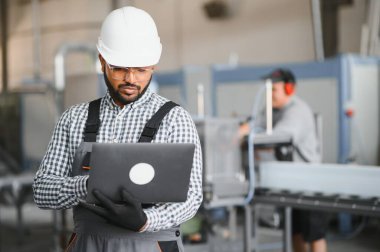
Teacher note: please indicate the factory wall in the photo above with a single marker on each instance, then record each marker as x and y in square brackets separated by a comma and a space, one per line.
[257, 32]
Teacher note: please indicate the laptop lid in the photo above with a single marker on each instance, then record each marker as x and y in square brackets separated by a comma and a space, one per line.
[151, 172]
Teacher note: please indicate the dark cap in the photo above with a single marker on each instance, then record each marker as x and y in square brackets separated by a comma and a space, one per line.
[281, 74]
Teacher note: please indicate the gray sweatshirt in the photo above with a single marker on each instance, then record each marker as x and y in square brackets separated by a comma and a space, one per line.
[296, 119]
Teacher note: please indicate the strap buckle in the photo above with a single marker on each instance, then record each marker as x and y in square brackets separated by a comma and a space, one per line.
[92, 127]
[149, 131]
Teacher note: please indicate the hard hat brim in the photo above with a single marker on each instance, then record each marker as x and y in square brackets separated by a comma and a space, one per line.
[131, 57]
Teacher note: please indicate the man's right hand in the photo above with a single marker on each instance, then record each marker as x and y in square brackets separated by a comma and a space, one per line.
[129, 214]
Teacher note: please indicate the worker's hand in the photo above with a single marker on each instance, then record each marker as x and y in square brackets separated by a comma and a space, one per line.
[243, 130]
[129, 214]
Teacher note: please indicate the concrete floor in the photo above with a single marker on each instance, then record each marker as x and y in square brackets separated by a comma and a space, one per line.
[270, 241]
[38, 236]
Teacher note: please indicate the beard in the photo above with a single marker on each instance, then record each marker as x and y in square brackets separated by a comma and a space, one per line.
[116, 95]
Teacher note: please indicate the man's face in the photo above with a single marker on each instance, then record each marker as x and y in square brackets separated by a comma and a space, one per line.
[279, 97]
[127, 87]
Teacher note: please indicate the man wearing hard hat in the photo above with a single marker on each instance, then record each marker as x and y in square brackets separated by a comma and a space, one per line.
[129, 48]
[293, 116]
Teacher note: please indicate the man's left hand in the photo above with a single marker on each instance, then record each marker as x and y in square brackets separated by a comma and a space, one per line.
[129, 214]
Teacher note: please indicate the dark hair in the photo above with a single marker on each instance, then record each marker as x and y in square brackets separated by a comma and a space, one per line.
[281, 74]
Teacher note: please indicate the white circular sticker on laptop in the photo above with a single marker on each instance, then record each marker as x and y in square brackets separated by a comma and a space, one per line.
[141, 173]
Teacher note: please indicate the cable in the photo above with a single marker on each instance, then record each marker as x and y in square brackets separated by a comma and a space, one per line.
[354, 233]
[360, 145]
[251, 161]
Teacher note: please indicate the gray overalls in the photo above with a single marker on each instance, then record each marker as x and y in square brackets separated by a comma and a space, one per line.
[92, 232]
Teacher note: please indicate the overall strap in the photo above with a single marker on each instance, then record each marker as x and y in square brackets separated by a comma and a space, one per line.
[91, 129]
[151, 127]
[93, 122]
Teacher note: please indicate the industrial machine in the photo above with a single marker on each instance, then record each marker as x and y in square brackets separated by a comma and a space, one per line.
[326, 187]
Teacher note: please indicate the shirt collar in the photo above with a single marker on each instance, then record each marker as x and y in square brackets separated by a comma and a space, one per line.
[290, 102]
[287, 105]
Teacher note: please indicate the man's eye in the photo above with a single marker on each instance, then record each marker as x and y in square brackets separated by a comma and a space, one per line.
[118, 69]
[141, 70]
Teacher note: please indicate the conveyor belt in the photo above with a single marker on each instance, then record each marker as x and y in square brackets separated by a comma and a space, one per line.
[326, 179]
[15, 189]
[331, 203]
[13, 186]
[328, 187]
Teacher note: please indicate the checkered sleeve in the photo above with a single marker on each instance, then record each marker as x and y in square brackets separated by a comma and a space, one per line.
[53, 186]
[169, 215]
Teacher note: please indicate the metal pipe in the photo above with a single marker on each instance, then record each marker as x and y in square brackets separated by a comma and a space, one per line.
[268, 86]
[36, 39]
[60, 70]
[200, 100]
[374, 24]
[317, 28]
[114, 4]
[4, 44]
[251, 149]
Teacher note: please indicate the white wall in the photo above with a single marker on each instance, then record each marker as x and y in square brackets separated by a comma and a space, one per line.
[61, 21]
[259, 32]
[365, 81]
[351, 19]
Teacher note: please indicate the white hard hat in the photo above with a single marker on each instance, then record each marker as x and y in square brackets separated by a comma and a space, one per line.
[129, 38]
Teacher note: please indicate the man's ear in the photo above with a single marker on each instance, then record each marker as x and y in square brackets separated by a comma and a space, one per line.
[102, 62]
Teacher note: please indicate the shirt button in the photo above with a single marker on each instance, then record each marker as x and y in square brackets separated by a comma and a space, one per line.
[177, 233]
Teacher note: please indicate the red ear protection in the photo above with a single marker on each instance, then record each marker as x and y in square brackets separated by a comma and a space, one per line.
[289, 88]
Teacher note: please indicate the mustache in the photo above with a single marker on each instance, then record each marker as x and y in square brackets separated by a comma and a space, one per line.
[127, 84]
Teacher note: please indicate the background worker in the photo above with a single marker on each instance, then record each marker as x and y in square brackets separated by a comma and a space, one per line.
[293, 116]
[129, 48]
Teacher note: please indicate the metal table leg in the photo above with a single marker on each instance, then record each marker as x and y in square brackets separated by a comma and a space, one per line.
[255, 241]
[287, 235]
[232, 222]
[57, 228]
[59, 220]
[248, 229]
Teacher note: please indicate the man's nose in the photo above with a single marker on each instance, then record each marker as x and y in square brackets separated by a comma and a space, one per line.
[130, 76]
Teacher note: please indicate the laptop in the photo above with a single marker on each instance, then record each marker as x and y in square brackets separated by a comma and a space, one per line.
[151, 172]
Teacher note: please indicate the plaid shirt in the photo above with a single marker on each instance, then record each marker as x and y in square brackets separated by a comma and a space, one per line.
[54, 187]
